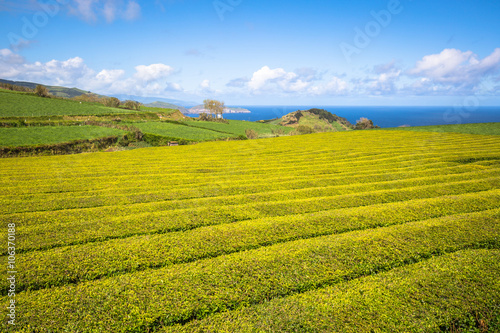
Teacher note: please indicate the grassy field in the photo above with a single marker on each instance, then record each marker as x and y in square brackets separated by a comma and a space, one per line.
[359, 231]
[481, 128]
[28, 136]
[15, 104]
[174, 131]
[239, 127]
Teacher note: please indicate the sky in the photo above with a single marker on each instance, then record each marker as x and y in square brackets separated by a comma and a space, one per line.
[315, 52]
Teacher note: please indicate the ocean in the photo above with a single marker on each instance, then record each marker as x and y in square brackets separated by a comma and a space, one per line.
[383, 116]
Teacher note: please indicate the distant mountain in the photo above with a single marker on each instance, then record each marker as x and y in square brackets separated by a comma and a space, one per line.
[228, 109]
[165, 105]
[147, 100]
[54, 90]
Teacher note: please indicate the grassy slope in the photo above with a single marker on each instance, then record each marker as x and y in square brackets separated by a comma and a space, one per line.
[310, 120]
[481, 128]
[14, 104]
[313, 121]
[158, 238]
[180, 131]
[239, 127]
[165, 111]
[29, 136]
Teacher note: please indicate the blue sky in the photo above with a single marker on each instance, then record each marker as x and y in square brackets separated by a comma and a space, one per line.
[359, 52]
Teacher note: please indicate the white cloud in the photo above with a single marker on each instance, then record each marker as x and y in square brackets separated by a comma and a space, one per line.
[335, 86]
[206, 87]
[267, 79]
[108, 76]
[9, 57]
[263, 75]
[205, 84]
[384, 81]
[53, 72]
[457, 68]
[147, 80]
[152, 72]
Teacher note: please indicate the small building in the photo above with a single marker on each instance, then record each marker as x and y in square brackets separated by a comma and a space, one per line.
[173, 143]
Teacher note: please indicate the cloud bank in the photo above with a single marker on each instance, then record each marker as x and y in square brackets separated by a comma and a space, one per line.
[448, 73]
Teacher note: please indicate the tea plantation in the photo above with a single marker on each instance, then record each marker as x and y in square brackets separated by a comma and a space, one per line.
[359, 231]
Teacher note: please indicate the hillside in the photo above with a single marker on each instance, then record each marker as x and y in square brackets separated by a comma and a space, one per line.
[165, 105]
[32, 125]
[16, 104]
[374, 231]
[313, 120]
[54, 90]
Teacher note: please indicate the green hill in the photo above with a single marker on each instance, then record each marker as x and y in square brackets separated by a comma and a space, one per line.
[16, 104]
[165, 105]
[54, 90]
[313, 120]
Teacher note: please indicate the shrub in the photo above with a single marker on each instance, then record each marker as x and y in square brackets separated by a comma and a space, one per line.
[278, 131]
[303, 129]
[132, 105]
[251, 134]
[112, 102]
[205, 117]
[42, 91]
[364, 123]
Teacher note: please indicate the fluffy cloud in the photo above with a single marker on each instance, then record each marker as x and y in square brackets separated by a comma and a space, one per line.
[303, 81]
[382, 80]
[110, 75]
[456, 68]
[54, 72]
[335, 86]
[9, 57]
[271, 79]
[152, 72]
[147, 80]
[205, 84]
[206, 87]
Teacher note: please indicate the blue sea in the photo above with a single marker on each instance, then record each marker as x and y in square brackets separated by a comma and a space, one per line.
[390, 116]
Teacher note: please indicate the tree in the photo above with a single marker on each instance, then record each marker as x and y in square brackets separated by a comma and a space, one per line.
[214, 107]
[132, 105]
[42, 91]
[364, 123]
[251, 134]
[112, 102]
